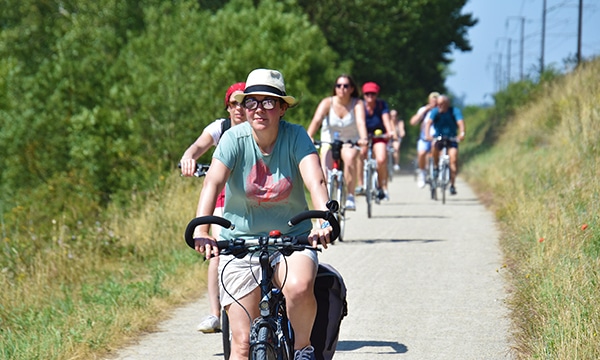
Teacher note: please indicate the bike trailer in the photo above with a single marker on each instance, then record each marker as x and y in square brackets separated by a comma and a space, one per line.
[330, 292]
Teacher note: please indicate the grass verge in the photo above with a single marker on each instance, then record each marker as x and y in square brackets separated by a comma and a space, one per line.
[543, 181]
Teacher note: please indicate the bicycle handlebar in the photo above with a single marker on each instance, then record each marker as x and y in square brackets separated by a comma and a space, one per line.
[201, 169]
[341, 142]
[327, 215]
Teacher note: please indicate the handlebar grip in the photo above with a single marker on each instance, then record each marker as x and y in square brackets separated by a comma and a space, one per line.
[203, 220]
[313, 214]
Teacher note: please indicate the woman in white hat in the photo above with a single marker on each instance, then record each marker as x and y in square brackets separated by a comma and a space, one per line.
[265, 164]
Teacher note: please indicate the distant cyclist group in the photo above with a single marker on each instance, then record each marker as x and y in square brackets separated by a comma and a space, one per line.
[261, 167]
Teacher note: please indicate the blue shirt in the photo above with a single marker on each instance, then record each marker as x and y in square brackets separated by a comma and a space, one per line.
[375, 120]
[446, 123]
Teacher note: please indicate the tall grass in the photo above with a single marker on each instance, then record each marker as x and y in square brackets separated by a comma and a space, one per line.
[91, 288]
[543, 177]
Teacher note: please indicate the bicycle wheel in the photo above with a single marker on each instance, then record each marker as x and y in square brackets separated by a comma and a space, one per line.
[261, 344]
[369, 190]
[226, 335]
[375, 185]
[337, 193]
[390, 164]
[433, 181]
[341, 213]
[445, 173]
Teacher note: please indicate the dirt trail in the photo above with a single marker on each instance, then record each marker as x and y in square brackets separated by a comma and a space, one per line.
[424, 282]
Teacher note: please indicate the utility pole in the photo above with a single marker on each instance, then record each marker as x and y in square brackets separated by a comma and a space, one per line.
[543, 36]
[522, 42]
[508, 56]
[579, 32]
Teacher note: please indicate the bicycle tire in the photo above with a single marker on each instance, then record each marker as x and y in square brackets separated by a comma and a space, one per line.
[445, 181]
[375, 185]
[390, 165]
[341, 213]
[226, 334]
[433, 181]
[262, 348]
[368, 191]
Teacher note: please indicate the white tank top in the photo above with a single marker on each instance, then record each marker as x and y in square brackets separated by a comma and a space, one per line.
[345, 126]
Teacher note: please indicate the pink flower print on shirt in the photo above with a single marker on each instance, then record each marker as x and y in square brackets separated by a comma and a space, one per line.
[262, 187]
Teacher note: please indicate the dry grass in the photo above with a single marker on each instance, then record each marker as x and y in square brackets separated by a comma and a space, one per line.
[93, 289]
[544, 180]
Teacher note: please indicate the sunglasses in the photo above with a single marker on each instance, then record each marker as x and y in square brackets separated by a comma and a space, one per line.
[345, 86]
[370, 94]
[234, 104]
[266, 104]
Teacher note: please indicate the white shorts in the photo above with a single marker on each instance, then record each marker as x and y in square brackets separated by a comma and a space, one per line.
[239, 277]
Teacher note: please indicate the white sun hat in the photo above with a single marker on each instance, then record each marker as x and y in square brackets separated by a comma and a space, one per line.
[266, 82]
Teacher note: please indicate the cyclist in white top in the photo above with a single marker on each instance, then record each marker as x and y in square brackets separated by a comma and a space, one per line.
[423, 145]
[344, 113]
[210, 137]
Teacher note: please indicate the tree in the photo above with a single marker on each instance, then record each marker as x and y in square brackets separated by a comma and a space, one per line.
[401, 44]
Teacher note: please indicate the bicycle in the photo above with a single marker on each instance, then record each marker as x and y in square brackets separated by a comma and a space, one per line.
[336, 184]
[431, 178]
[271, 334]
[390, 161]
[370, 177]
[443, 173]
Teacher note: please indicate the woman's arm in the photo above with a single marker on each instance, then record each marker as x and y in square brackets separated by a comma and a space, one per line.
[318, 117]
[312, 175]
[214, 182]
[197, 149]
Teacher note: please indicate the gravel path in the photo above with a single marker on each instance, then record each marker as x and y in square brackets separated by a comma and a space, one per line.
[423, 279]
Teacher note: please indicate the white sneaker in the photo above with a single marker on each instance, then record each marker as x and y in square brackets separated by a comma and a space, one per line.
[396, 168]
[209, 325]
[306, 353]
[421, 179]
[350, 204]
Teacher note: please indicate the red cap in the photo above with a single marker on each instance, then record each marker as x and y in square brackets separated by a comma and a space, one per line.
[370, 87]
[235, 87]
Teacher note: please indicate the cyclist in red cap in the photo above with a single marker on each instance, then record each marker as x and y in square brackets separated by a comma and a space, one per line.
[210, 137]
[377, 115]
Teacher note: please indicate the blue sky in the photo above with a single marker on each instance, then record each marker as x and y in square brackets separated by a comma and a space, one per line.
[480, 72]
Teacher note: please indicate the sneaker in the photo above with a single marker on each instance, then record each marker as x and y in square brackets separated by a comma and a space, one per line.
[350, 204]
[306, 353]
[421, 179]
[397, 168]
[359, 190]
[452, 190]
[386, 195]
[209, 325]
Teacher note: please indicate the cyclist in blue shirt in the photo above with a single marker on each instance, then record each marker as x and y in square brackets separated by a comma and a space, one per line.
[447, 121]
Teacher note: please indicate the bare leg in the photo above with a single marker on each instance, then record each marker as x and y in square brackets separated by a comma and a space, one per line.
[453, 152]
[349, 156]
[240, 324]
[380, 152]
[299, 295]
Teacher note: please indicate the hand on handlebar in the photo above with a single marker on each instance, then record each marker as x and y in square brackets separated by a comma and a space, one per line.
[188, 167]
[320, 236]
[206, 245]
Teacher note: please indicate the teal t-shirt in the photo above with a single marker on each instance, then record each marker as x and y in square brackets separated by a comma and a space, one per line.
[264, 192]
